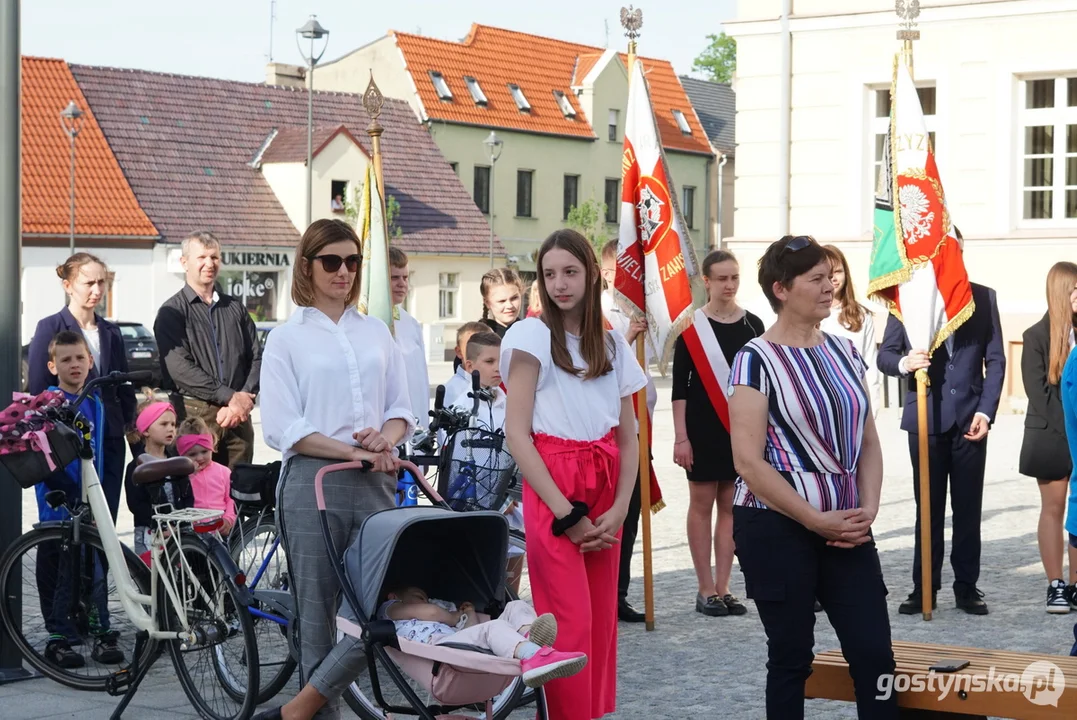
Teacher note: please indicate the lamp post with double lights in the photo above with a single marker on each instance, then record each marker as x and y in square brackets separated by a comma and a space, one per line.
[494, 145]
[71, 119]
[312, 31]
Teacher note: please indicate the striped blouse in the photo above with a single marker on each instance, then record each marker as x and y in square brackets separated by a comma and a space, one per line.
[817, 409]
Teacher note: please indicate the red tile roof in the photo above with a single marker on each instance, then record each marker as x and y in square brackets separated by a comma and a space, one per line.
[104, 203]
[186, 144]
[289, 144]
[539, 65]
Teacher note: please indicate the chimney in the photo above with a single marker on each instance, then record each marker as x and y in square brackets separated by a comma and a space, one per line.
[286, 75]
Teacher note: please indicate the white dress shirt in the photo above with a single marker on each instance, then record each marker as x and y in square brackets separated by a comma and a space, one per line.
[409, 336]
[330, 378]
[864, 342]
[566, 405]
[457, 386]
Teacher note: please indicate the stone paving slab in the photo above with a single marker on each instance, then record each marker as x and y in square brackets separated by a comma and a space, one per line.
[698, 667]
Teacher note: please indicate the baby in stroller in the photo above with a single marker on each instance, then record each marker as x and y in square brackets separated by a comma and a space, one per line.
[518, 633]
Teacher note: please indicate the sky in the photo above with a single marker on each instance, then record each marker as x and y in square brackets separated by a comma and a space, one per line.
[231, 38]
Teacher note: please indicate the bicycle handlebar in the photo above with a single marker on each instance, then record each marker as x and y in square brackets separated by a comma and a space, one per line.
[112, 379]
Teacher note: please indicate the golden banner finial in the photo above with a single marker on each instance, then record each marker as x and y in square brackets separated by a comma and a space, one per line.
[908, 11]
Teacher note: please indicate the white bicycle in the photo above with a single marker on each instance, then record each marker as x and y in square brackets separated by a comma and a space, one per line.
[79, 583]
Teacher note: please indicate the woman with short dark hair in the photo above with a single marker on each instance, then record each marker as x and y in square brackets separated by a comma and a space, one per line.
[333, 390]
[811, 471]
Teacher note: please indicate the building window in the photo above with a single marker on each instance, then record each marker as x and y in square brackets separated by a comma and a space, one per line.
[482, 188]
[523, 192]
[689, 208]
[565, 104]
[1048, 132]
[614, 114]
[448, 290]
[256, 289]
[881, 126]
[440, 86]
[682, 122]
[613, 199]
[476, 92]
[572, 194]
[518, 97]
[338, 195]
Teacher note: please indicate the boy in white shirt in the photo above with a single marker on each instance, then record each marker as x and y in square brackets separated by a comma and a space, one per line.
[459, 384]
[409, 337]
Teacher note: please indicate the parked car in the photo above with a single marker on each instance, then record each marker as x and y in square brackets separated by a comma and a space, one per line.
[141, 348]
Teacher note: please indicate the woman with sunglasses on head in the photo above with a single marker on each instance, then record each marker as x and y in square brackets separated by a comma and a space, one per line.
[570, 424]
[334, 390]
[811, 471]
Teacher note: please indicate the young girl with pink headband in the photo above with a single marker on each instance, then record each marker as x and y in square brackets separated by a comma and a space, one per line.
[212, 482]
[156, 426]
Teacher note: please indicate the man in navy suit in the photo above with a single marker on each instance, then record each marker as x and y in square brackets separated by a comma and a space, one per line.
[966, 376]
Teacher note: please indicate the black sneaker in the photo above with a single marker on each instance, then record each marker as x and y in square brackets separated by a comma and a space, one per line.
[1071, 595]
[1057, 602]
[712, 606]
[106, 649]
[970, 599]
[59, 653]
[913, 604]
[735, 606]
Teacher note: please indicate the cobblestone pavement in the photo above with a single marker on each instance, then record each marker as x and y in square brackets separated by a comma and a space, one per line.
[692, 666]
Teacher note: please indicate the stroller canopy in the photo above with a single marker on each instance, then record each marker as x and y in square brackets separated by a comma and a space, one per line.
[452, 556]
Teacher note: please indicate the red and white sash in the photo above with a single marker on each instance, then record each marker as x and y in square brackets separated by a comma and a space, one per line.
[710, 363]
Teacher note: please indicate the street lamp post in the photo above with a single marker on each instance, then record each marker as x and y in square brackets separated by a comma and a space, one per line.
[494, 145]
[312, 31]
[71, 119]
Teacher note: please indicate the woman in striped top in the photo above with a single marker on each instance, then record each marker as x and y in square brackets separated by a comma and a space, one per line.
[810, 466]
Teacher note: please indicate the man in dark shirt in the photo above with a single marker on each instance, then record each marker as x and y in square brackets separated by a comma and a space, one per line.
[210, 354]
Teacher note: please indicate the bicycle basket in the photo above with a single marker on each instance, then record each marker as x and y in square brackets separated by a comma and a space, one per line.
[476, 471]
[256, 485]
[35, 440]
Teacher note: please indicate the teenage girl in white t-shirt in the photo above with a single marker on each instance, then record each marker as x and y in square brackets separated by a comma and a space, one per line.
[571, 428]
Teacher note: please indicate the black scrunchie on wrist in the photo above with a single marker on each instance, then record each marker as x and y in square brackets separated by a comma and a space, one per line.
[579, 512]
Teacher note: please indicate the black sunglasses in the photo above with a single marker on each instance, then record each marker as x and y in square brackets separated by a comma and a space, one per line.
[797, 244]
[332, 263]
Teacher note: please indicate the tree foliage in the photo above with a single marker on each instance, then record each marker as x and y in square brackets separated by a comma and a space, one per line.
[719, 61]
[589, 220]
[392, 211]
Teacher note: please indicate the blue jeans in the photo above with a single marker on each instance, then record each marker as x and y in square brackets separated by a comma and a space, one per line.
[71, 585]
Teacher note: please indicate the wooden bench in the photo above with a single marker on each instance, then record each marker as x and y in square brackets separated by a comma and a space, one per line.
[972, 692]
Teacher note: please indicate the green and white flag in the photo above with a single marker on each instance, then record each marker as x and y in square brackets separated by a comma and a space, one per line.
[375, 295]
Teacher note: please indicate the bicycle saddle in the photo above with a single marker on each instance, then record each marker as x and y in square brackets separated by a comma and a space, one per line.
[154, 470]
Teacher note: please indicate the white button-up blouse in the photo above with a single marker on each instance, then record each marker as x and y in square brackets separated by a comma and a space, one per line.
[330, 378]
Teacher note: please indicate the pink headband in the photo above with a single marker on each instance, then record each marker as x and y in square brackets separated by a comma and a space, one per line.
[151, 414]
[185, 443]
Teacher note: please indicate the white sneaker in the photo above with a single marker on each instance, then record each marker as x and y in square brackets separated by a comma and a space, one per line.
[1057, 602]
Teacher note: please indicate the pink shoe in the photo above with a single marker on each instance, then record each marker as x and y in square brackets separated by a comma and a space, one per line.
[549, 664]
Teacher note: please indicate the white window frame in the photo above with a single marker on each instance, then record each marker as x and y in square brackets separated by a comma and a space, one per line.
[566, 106]
[441, 85]
[1060, 117]
[682, 122]
[448, 295]
[688, 209]
[613, 121]
[881, 126]
[519, 98]
[475, 89]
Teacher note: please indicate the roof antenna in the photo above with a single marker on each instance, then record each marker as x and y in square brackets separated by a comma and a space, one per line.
[272, 17]
[607, 23]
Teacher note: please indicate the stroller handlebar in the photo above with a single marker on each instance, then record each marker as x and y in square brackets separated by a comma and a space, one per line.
[365, 466]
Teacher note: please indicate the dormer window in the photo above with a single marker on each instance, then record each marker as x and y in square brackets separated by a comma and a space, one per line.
[518, 97]
[476, 92]
[563, 103]
[682, 122]
[440, 86]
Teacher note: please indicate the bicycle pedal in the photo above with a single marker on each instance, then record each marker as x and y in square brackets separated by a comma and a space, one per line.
[119, 682]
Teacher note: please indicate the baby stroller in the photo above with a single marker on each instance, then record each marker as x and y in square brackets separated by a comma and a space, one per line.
[393, 549]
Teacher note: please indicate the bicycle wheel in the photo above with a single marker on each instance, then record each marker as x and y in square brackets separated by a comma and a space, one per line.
[257, 555]
[68, 589]
[214, 670]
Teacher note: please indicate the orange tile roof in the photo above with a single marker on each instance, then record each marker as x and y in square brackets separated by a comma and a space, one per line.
[104, 202]
[539, 65]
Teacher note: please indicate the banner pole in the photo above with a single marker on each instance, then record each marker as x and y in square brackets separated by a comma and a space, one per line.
[372, 102]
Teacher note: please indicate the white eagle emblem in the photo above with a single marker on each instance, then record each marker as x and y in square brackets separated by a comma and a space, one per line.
[650, 214]
[915, 219]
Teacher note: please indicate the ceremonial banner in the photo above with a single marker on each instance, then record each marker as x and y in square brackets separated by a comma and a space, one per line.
[655, 260]
[917, 267]
[375, 295]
